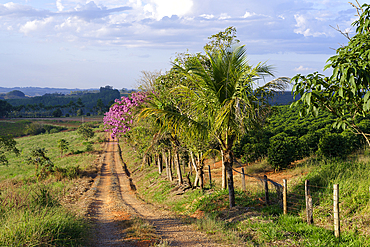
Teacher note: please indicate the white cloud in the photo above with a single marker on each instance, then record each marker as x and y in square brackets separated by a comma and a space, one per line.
[161, 8]
[60, 6]
[35, 25]
[206, 16]
[224, 16]
[305, 26]
[248, 14]
[301, 68]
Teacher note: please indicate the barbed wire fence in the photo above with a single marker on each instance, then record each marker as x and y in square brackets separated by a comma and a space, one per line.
[295, 201]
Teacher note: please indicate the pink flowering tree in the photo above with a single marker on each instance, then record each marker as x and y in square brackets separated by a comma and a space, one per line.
[119, 119]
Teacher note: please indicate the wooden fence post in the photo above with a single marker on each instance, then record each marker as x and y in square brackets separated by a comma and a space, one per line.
[243, 180]
[285, 204]
[336, 210]
[266, 190]
[209, 175]
[309, 206]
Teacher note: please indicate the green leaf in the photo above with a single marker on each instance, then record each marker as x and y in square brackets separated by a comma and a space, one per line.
[308, 98]
[340, 92]
[366, 106]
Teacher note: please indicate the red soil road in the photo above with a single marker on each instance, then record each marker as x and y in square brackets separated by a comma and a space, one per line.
[115, 203]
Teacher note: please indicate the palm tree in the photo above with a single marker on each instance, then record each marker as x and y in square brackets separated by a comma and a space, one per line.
[215, 98]
[223, 97]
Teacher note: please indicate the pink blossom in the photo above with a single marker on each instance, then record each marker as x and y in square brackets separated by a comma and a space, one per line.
[119, 119]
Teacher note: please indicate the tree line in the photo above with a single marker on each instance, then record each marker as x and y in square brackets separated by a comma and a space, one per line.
[58, 105]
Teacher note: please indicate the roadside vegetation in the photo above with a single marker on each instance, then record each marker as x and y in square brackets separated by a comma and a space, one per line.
[251, 222]
[41, 190]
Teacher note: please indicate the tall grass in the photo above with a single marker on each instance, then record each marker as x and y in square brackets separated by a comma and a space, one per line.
[34, 212]
[353, 177]
[35, 217]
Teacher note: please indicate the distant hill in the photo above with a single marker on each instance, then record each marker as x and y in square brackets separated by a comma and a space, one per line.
[283, 98]
[38, 91]
[15, 94]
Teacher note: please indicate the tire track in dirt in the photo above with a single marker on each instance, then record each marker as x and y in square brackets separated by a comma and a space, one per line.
[104, 211]
[115, 202]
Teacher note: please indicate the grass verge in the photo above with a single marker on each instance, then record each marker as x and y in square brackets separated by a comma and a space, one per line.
[252, 223]
[47, 211]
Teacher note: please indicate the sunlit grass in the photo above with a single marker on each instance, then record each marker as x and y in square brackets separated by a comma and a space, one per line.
[38, 212]
[260, 225]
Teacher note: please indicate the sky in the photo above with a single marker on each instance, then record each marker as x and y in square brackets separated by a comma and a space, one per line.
[89, 44]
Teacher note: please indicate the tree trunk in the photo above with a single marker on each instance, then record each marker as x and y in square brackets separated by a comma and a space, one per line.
[170, 166]
[149, 158]
[166, 163]
[160, 165]
[190, 168]
[195, 169]
[178, 168]
[228, 158]
[201, 178]
[223, 171]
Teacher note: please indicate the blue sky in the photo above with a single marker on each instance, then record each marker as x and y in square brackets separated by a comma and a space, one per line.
[88, 44]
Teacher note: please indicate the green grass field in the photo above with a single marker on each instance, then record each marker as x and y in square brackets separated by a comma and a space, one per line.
[37, 211]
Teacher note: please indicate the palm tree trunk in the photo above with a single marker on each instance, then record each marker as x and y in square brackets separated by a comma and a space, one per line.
[195, 169]
[178, 168]
[160, 165]
[166, 162]
[190, 168]
[223, 171]
[170, 162]
[201, 177]
[228, 158]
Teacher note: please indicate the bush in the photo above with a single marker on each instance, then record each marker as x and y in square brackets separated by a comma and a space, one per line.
[283, 150]
[54, 130]
[309, 143]
[333, 145]
[89, 146]
[34, 129]
[253, 152]
[85, 131]
[354, 142]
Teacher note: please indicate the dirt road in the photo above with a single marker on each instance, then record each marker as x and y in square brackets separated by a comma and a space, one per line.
[115, 203]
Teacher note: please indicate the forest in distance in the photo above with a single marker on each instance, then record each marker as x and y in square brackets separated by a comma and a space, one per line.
[77, 103]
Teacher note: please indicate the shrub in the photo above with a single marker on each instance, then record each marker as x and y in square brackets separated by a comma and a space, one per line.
[333, 145]
[34, 129]
[54, 130]
[283, 150]
[354, 142]
[309, 143]
[253, 152]
[85, 131]
[89, 146]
